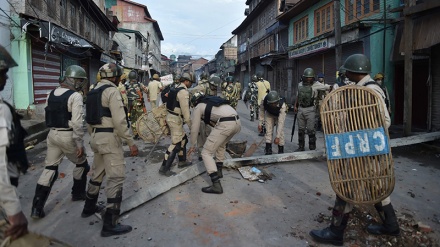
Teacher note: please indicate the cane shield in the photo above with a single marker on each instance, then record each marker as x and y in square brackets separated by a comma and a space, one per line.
[151, 126]
[359, 160]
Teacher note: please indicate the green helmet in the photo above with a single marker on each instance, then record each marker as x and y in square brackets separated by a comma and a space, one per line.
[229, 79]
[6, 61]
[254, 78]
[309, 72]
[358, 63]
[75, 71]
[215, 81]
[259, 75]
[177, 78]
[273, 97]
[109, 70]
[341, 70]
[196, 98]
[186, 76]
[132, 75]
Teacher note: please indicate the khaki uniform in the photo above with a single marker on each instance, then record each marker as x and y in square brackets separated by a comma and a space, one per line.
[226, 124]
[106, 143]
[154, 88]
[205, 130]
[306, 116]
[175, 120]
[263, 88]
[9, 201]
[271, 121]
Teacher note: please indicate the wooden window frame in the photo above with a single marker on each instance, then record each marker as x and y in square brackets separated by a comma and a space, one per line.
[358, 9]
[301, 29]
[324, 19]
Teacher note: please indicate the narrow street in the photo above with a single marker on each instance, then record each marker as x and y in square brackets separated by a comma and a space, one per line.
[278, 212]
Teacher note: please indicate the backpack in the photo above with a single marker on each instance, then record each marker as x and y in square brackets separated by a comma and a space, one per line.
[94, 109]
[387, 100]
[210, 102]
[164, 93]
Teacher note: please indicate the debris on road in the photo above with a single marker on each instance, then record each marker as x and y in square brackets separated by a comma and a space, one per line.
[254, 174]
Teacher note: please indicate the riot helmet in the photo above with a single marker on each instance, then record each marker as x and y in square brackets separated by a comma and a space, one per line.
[196, 98]
[186, 77]
[75, 77]
[308, 73]
[229, 79]
[273, 97]
[215, 81]
[378, 76]
[132, 75]
[110, 70]
[254, 78]
[358, 63]
[156, 77]
[260, 75]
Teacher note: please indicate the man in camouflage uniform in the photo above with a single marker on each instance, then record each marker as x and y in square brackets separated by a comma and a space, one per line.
[107, 132]
[178, 115]
[13, 158]
[154, 88]
[306, 109]
[263, 87]
[231, 92]
[64, 117]
[135, 100]
[252, 97]
[210, 89]
[273, 109]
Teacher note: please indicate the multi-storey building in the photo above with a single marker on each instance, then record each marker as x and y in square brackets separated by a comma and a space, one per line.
[47, 36]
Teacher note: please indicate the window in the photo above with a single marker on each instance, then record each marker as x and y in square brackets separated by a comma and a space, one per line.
[358, 9]
[301, 29]
[51, 8]
[63, 10]
[37, 3]
[324, 19]
[73, 18]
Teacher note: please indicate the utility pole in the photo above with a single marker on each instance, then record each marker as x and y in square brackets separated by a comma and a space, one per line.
[248, 47]
[407, 105]
[338, 46]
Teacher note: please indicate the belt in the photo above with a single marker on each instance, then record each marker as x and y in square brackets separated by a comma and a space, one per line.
[304, 106]
[175, 114]
[97, 130]
[224, 119]
[63, 129]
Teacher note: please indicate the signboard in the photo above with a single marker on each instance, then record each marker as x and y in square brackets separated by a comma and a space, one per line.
[357, 144]
[309, 48]
[60, 35]
[166, 80]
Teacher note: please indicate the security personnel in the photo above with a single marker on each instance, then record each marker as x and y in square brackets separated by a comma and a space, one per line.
[64, 117]
[13, 158]
[358, 67]
[238, 88]
[274, 109]
[253, 97]
[305, 108]
[107, 126]
[178, 115]
[122, 89]
[209, 88]
[154, 88]
[321, 95]
[231, 92]
[263, 87]
[379, 79]
[135, 100]
[226, 123]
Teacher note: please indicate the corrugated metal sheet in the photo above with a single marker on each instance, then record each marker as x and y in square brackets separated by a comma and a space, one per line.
[45, 73]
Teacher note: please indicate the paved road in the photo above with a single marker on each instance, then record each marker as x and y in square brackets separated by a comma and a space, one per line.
[279, 212]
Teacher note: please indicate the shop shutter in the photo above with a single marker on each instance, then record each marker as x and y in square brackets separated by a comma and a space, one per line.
[45, 72]
[435, 64]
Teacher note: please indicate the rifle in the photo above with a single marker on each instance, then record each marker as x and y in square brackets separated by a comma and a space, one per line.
[293, 127]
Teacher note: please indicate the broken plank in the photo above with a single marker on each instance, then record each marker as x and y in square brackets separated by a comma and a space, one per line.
[164, 185]
[274, 158]
[414, 139]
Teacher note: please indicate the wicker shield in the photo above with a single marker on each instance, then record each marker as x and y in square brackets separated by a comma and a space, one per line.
[359, 160]
[151, 126]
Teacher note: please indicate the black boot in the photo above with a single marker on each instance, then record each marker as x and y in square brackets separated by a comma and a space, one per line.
[219, 169]
[40, 198]
[312, 142]
[268, 149]
[165, 169]
[183, 164]
[280, 149]
[79, 186]
[252, 118]
[332, 234]
[216, 187]
[301, 141]
[111, 227]
[390, 225]
[90, 206]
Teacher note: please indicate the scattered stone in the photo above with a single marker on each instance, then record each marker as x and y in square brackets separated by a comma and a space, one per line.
[91, 223]
[423, 227]
[411, 194]
[149, 239]
[318, 193]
